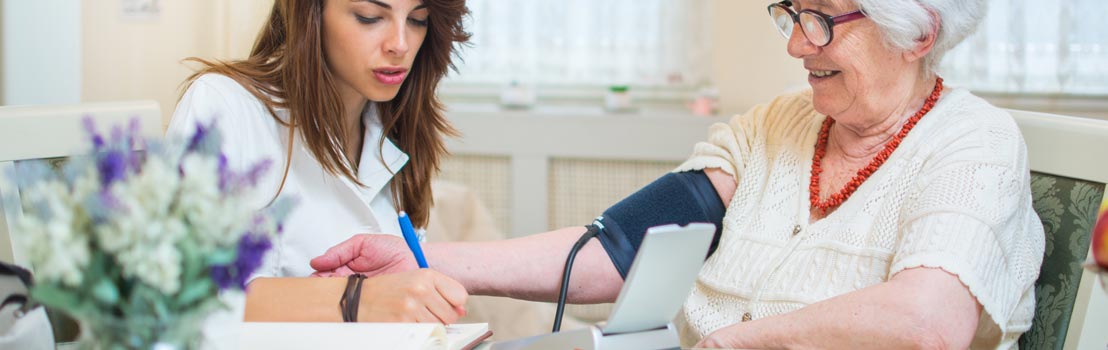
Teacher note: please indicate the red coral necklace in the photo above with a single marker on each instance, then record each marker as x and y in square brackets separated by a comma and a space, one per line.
[864, 173]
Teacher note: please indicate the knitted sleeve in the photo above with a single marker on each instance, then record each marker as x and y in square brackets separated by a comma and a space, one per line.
[730, 145]
[972, 217]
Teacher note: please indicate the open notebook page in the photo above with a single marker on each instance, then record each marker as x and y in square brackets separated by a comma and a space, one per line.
[399, 336]
[466, 336]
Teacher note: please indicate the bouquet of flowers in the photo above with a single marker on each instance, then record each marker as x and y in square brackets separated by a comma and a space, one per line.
[137, 245]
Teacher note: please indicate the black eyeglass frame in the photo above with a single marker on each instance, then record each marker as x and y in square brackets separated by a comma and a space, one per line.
[828, 21]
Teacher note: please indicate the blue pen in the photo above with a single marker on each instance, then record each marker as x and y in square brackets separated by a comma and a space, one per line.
[413, 240]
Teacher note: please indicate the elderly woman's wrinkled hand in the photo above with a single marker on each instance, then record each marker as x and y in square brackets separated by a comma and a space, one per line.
[368, 254]
[724, 338]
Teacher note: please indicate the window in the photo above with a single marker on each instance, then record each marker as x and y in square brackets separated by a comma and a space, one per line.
[1035, 47]
[597, 43]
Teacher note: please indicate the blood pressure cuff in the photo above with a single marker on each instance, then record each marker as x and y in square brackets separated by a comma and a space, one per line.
[676, 198]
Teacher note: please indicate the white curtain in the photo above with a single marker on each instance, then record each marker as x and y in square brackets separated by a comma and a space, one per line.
[1035, 47]
[588, 42]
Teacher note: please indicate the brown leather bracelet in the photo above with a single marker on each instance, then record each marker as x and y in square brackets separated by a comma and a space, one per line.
[356, 298]
[348, 304]
[346, 294]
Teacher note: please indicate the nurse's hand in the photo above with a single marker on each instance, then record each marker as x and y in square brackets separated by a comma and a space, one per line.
[368, 254]
[424, 295]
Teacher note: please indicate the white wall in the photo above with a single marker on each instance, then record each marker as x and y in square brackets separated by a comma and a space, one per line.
[128, 59]
[246, 20]
[751, 64]
[141, 59]
[41, 49]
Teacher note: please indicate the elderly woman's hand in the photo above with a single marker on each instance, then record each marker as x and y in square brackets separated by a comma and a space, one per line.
[369, 254]
[726, 338]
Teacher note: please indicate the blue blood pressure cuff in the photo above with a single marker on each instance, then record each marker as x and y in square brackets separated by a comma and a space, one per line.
[676, 198]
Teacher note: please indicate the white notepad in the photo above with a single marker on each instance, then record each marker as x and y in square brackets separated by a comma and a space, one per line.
[400, 336]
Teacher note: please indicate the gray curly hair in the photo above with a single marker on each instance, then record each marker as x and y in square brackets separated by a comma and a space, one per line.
[904, 21]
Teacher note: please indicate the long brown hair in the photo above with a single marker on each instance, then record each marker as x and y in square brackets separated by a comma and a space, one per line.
[286, 69]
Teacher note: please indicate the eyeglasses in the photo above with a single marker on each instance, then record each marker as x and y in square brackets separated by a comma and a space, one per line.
[815, 25]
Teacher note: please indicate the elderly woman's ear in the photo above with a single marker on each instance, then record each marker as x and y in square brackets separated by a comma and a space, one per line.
[926, 42]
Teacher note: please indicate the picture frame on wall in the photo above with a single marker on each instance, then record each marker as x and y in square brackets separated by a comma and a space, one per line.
[140, 10]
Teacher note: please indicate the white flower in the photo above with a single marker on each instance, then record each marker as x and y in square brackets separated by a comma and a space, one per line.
[156, 187]
[171, 229]
[199, 185]
[158, 266]
[88, 184]
[52, 234]
[201, 174]
[143, 214]
[122, 228]
[143, 233]
[214, 219]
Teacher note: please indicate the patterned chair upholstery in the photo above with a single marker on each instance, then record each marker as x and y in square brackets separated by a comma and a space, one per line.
[1068, 177]
[1068, 210]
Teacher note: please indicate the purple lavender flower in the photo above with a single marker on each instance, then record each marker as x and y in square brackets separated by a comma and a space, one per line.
[231, 181]
[225, 174]
[117, 135]
[255, 173]
[251, 250]
[206, 140]
[116, 157]
[222, 276]
[198, 137]
[90, 128]
[133, 133]
[112, 166]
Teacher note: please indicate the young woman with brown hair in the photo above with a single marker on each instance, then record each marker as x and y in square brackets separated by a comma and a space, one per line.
[340, 96]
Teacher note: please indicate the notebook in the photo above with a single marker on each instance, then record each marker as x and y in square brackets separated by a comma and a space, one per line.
[400, 336]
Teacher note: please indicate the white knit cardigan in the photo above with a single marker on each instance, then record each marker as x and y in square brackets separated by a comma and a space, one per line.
[955, 195]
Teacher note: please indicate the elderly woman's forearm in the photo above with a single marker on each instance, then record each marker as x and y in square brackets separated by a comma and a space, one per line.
[891, 315]
[529, 267]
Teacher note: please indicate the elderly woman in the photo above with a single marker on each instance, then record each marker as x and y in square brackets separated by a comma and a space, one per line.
[880, 209]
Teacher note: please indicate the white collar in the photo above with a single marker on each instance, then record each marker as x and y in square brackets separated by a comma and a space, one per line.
[371, 172]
